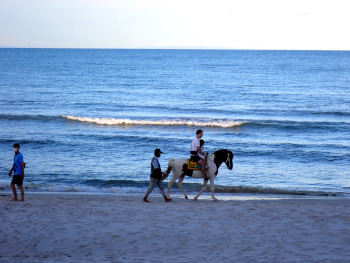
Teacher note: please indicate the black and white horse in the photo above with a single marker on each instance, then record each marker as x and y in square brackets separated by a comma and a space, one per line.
[178, 167]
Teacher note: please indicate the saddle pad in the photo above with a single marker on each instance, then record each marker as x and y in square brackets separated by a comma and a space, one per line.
[194, 165]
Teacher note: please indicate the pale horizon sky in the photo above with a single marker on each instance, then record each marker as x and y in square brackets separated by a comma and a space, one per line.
[217, 24]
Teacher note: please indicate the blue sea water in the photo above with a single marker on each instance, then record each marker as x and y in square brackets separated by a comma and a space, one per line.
[89, 120]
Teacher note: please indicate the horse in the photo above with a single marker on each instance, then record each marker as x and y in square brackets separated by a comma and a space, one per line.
[178, 167]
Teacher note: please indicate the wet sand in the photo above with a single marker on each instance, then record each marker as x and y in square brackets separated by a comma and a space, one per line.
[121, 228]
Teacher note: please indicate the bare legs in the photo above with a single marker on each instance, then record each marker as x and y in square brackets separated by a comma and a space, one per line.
[202, 163]
[14, 191]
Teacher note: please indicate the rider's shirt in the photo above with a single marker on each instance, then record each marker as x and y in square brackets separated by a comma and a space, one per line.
[194, 145]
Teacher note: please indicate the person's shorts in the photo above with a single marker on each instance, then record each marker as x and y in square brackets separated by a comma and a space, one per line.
[195, 158]
[17, 180]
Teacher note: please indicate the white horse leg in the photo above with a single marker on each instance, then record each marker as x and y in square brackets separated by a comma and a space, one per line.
[170, 184]
[212, 189]
[179, 184]
[203, 188]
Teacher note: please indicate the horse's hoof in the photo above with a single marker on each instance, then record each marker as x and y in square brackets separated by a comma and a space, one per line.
[195, 199]
[186, 197]
[215, 199]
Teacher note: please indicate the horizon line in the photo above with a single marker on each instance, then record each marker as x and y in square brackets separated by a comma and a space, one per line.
[175, 48]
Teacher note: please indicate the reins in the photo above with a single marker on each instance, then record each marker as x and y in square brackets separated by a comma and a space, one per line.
[210, 159]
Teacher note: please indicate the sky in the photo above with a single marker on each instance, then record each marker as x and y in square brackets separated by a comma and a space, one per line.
[207, 24]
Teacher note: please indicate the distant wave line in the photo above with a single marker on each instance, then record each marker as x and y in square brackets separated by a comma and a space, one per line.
[126, 122]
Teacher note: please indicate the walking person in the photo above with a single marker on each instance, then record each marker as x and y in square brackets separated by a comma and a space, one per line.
[18, 175]
[156, 177]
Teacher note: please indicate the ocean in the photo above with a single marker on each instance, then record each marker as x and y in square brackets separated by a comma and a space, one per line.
[89, 120]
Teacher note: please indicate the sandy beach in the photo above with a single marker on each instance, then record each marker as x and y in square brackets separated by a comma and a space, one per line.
[121, 228]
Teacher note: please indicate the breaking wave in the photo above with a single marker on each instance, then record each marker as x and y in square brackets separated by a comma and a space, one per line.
[127, 122]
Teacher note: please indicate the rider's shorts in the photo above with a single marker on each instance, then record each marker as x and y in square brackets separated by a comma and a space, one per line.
[195, 158]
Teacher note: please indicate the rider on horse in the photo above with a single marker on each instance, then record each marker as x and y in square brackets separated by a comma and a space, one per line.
[196, 150]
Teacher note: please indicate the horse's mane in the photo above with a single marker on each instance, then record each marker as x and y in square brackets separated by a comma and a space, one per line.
[220, 156]
[222, 151]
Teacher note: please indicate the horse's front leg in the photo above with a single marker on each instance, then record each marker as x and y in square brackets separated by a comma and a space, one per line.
[179, 184]
[212, 189]
[203, 188]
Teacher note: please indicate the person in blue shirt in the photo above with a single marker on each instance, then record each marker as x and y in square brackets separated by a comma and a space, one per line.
[18, 173]
[156, 177]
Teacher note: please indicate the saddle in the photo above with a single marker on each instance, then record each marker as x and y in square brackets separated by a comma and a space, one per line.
[191, 165]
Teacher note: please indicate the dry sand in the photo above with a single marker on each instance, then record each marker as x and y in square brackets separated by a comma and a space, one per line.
[121, 228]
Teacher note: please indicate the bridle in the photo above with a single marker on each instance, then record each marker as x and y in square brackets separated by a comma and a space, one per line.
[210, 159]
[228, 160]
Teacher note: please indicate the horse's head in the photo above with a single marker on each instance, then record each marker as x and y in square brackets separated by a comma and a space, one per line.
[225, 156]
[228, 161]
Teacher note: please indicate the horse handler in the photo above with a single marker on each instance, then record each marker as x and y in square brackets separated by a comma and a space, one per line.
[156, 177]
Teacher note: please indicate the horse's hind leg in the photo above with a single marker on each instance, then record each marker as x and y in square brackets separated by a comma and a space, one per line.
[170, 184]
[179, 183]
[203, 188]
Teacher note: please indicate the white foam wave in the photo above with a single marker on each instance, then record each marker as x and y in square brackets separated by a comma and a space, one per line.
[126, 122]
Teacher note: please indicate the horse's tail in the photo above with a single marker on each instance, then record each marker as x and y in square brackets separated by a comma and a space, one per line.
[170, 166]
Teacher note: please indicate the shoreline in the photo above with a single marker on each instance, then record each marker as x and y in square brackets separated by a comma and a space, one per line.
[140, 187]
[178, 195]
[80, 227]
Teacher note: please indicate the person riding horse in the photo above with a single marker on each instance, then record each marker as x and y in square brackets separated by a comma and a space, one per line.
[196, 150]
[177, 166]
